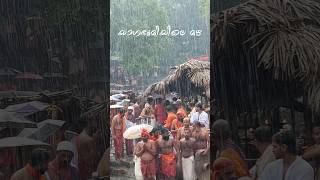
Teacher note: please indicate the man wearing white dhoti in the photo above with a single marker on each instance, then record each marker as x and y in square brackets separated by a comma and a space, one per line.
[137, 168]
[288, 166]
[186, 155]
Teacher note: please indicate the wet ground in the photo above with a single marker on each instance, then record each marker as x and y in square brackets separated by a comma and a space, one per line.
[123, 170]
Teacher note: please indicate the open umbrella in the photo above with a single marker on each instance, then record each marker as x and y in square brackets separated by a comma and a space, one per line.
[134, 132]
[28, 108]
[20, 141]
[118, 96]
[8, 119]
[45, 129]
[114, 99]
[116, 106]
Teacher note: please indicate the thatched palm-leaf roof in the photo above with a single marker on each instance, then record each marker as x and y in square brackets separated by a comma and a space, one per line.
[266, 44]
[285, 35]
[192, 77]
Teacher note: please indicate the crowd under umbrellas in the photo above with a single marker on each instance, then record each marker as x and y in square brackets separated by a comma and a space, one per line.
[162, 136]
[38, 136]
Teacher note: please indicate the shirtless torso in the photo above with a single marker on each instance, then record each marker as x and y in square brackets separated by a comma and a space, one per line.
[165, 146]
[202, 158]
[117, 123]
[187, 147]
[202, 139]
[146, 150]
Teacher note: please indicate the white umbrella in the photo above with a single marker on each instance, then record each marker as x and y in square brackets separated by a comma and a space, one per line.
[45, 129]
[54, 122]
[28, 108]
[118, 96]
[116, 106]
[114, 99]
[134, 132]
[9, 119]
[20, 141]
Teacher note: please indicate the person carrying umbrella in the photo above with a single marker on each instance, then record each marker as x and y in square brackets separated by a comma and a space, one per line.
[146, 150]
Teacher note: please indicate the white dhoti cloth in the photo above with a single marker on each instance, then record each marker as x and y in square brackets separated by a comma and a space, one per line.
[188, 168]
[137, 168]
[153, 122]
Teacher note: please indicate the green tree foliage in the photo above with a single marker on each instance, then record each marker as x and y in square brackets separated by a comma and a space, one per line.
[138, 54]
[186, 14]
[205, 8]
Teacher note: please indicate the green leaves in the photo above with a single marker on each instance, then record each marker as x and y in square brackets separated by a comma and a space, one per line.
[141, 53]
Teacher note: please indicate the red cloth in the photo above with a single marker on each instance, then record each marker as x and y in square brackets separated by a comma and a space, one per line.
[171, 116]
[129, 147]
[181, 112]
[160, 113]
[154, 137]
[144, 133]
[219, 165]
[34, 173]
[137, 110]
[168, 164]
[113, 112]
[176, 125]
[148, 168]
[56, 172]
[118, 143]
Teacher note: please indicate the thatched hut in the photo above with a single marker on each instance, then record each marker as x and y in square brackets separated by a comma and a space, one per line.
[266, 55]
[187, 79]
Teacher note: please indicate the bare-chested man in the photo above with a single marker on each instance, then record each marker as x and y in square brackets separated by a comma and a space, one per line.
[168, 158]
[181, 131]
[186, 151]
[202, 147]
[146, 150]
[87, 152]
[117, 128]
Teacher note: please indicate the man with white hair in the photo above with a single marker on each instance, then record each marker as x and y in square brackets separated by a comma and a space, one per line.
[60, 168]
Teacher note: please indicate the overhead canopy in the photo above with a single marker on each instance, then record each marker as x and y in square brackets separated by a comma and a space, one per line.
[190, 78]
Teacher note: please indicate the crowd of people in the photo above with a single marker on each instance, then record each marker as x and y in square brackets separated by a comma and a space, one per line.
[178, 147]
[76, 159]
[279, 155]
